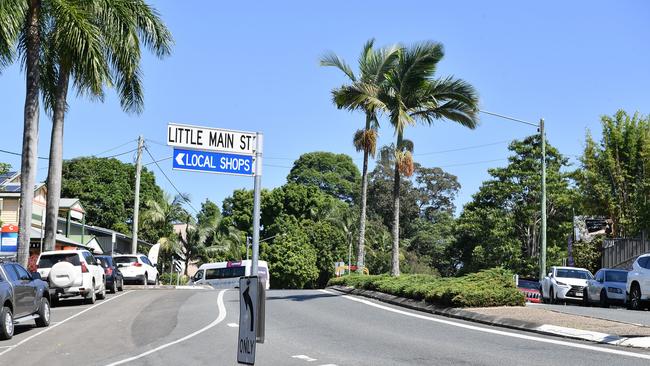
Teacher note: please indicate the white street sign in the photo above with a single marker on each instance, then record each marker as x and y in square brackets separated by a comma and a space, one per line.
[211, 139]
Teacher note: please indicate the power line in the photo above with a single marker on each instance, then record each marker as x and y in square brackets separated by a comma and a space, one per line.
[18, 154]
[158, 161]
[116, 147]
[463, 148]
[120, 154]
[169, 180]
[472, 163]
[510, 118]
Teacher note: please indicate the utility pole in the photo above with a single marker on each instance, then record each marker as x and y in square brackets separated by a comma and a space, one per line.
[542, 255]
[136, 203]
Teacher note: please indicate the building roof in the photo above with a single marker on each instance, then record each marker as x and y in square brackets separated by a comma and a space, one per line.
[8, 177]
[13, 189]
[36, 234]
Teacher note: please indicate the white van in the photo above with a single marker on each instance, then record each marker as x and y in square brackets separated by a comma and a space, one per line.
[226, 274]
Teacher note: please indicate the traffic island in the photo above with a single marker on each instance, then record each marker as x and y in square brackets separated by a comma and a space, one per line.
[524, 318]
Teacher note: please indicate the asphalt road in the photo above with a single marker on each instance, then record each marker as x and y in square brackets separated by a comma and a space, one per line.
[619, 314]
[304, 328]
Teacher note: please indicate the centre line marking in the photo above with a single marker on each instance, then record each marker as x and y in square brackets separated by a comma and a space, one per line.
[233, 325]
[495, 331]
[52, 326]
[220, 318]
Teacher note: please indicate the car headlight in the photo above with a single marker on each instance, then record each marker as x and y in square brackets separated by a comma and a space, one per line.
[561, 283]
[614, 290]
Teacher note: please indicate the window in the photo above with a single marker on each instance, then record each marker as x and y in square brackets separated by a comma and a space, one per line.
[22, 273]
[145, 260]
[89, 258]
[125, 260]
[219, 273]
[573, 273]
[104, 261]
[616, 276]
[11, 272]
[198, 275]
[599, 276]
[47, 261]
[643, 262]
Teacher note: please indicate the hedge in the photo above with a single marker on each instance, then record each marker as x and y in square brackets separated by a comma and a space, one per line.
[492, 287]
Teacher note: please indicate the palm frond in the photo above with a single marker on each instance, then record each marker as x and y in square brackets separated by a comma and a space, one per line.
[366, 140]
[12, 19]
[332, 60]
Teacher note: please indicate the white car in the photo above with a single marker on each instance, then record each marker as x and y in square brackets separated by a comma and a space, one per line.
[137, 268]
[72, 273]
[226, 274]
[638, 283]
[565, 283]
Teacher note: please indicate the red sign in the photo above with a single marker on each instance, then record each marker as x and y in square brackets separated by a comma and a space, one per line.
[9, 228]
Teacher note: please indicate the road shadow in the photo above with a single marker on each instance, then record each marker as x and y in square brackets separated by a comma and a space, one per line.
[302, 297]
[22, 328]
[65, 303]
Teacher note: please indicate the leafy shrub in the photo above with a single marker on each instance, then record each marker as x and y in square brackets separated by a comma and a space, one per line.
[492, 287]
[172, 279]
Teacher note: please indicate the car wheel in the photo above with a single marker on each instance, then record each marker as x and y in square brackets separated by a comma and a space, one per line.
[635, 297]
[585, 298]
[157, 281]
[91, 296]
[43, 319]
[55, 300]
[603, 299]
[6, 323]
[145, 280]
[114, 287]
[102, 294]
[121, 287]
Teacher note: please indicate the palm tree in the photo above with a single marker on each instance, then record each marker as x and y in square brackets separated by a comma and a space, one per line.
[360, 95]
[20, 23]
[410, 95]
[94, 44]
[166, 212]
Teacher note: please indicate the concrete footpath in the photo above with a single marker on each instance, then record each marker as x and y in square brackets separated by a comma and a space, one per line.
[530, 319]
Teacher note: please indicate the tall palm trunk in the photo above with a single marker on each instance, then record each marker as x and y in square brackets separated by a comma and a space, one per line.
[396, 188]
[30, 131]
[361, 250]
[56, 160]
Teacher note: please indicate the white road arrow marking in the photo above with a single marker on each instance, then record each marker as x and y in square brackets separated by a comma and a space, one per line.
[179, 159]
[305, 358]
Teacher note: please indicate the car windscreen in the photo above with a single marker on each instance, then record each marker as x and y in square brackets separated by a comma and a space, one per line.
[528, 284]
[229, 272]
[125, 260]
[104, 261]
[49, 260]
[573, 273]
[616, 276]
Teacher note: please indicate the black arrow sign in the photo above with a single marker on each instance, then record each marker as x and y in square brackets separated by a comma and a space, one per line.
[249, 305]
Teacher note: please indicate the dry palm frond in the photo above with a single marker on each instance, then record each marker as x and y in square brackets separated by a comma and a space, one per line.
[366, 140]
[405, 163]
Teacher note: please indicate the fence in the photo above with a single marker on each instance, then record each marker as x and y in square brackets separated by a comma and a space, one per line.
[621, 253]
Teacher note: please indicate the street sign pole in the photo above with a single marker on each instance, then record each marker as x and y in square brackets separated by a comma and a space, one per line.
[256, 202]
[542, 255]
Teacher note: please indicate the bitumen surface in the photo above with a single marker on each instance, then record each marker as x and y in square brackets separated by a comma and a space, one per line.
[303, 328]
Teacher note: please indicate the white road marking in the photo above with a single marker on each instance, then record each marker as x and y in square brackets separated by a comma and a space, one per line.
[233, 325]
[54, 325]
[304, 357]
[329, 364]
[220, 318]
[495, 331]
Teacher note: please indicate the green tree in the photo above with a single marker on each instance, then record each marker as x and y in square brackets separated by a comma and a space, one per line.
[501, 225]
[20, 28]
[329, 242]
[359, 95]
[410, 95]
[334, 174]
[94, 44]
[105, 188]
[615, 177]
[159, 217]
[291, 258]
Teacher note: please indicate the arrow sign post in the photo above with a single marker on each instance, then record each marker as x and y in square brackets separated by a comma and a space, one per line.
[248, 303]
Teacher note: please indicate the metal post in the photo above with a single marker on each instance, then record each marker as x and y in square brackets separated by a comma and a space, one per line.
[112, 243]
[256, 202]
[542, 255]
[43, 230]
[136, 203]
[248, 243]
[349, 254]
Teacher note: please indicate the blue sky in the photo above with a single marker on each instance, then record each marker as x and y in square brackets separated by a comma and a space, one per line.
[254, 66]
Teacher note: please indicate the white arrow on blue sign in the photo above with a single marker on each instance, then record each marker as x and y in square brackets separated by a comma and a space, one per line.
[213, 162]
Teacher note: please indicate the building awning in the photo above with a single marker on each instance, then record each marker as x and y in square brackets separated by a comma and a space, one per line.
[35, 234]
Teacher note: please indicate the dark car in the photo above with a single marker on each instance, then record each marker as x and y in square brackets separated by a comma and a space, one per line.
[114, 278]
[531, 289]
[23, 296]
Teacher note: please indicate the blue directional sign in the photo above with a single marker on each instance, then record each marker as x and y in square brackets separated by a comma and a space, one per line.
[213, 162]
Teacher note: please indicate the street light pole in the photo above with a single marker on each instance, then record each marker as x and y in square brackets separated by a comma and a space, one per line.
[542, 254]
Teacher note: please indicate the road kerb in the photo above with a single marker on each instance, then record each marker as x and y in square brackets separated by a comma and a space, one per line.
[545, 329]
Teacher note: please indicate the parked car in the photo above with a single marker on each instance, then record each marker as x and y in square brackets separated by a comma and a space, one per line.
[607, 287]
[226, 274]
[638, 283]
[23, 296]
[114, 278]
[565, 283]
[531, 289]
[137, 268]
[72, 273]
